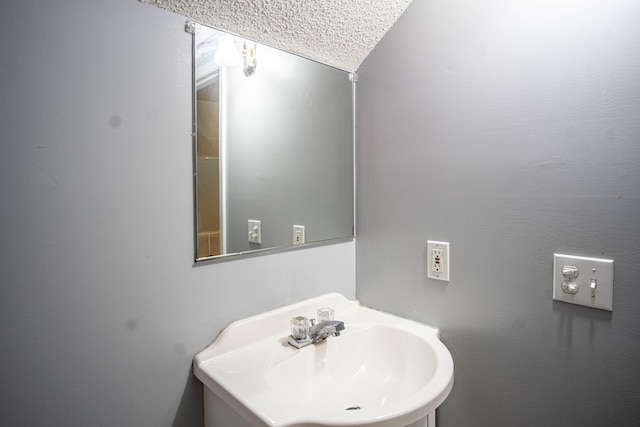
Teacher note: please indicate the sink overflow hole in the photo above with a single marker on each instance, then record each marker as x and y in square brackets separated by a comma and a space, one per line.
[353, 408]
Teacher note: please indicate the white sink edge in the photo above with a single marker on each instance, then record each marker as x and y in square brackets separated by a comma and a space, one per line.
[254, 329]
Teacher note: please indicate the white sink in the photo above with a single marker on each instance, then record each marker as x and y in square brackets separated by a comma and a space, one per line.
[393, 370]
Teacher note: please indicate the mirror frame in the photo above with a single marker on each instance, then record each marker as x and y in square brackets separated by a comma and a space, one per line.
[193, 27]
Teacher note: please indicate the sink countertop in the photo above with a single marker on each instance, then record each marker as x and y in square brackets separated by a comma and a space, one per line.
[253, 369]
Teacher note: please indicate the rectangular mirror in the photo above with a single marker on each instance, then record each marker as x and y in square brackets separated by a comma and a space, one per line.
[273, 151]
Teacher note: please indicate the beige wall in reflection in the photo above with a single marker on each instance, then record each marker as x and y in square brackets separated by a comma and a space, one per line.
[208, 171]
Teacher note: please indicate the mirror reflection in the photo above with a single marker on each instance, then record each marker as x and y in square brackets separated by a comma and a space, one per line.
[273, 148]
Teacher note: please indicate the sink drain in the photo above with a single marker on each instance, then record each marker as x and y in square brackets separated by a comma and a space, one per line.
[353, 408]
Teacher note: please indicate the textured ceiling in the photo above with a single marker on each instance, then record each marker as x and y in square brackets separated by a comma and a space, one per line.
[340, 33]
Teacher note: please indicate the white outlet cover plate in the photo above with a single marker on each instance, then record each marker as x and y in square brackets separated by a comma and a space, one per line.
[254, 231]
[298, 235]
[588, 269]
[444, 274]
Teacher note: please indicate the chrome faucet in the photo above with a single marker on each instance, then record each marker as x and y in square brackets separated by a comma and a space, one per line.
[318, 332]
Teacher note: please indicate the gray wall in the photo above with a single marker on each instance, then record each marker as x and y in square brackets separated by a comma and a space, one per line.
[101, 309]
[289, 146]
[511, 130]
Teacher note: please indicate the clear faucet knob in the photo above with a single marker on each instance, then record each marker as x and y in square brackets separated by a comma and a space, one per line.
[299, 327]
[325, 314]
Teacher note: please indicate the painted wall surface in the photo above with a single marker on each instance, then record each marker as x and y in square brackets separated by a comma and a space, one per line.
[512, 131]
[300, 173]
[101, 309]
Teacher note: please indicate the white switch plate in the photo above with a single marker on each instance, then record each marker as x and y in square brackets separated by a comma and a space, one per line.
[589, 270]
[438, 269]
[254, 231]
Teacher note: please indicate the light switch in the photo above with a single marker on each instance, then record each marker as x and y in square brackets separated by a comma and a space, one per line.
[583, 281]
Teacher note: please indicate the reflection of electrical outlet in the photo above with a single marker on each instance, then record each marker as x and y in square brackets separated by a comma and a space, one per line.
[298, 234]
[255, 232]
[438, 262]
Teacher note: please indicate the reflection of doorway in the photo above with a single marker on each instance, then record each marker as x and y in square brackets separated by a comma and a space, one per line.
[207, 166]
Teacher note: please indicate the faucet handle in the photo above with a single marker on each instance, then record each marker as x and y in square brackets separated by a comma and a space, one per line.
[325, 314]
[300, 327]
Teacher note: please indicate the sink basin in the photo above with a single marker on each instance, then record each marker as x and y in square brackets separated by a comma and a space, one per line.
[382, 370]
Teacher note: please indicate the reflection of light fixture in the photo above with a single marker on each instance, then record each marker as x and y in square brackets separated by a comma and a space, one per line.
[249, 60]
[226, 55]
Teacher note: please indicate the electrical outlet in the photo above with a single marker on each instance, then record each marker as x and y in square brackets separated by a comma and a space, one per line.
[438, 260]
[298, 234]
[583, 281]
[255, 231]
